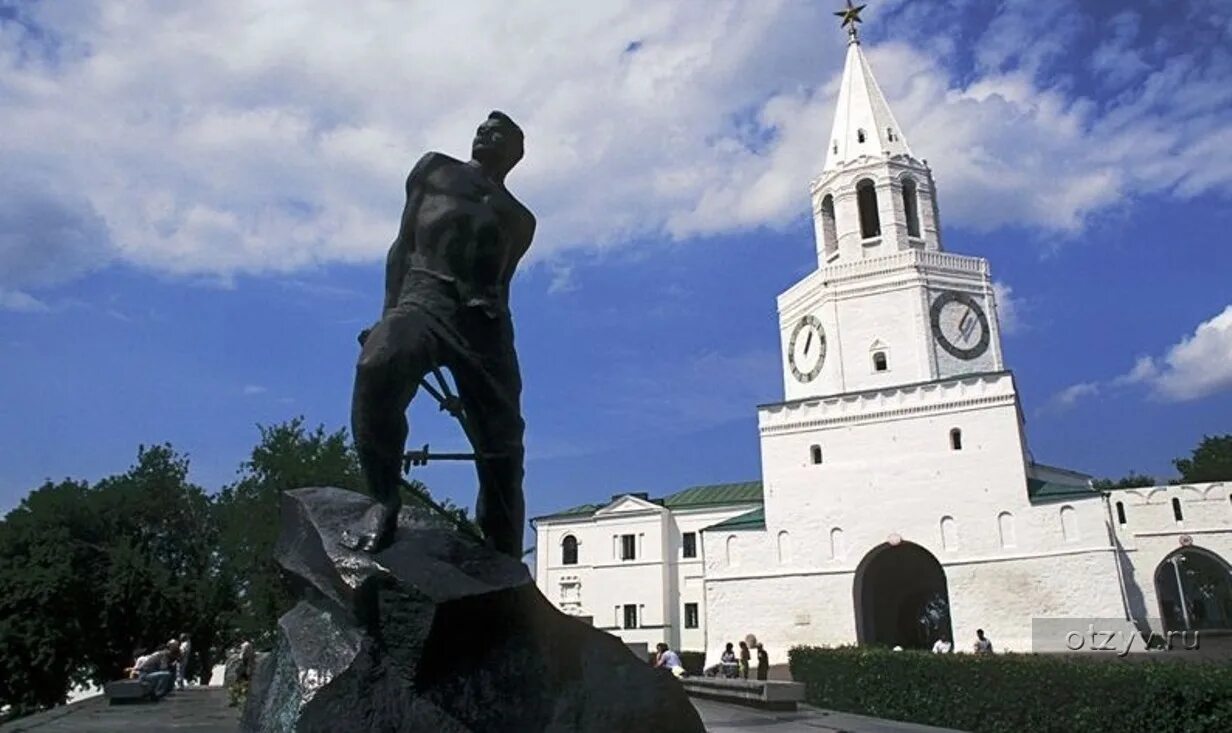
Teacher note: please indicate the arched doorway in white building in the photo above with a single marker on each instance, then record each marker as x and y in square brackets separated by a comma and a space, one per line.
[901, 597]
[1194, 587]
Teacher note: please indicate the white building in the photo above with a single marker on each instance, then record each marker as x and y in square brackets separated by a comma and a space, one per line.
[900, 499]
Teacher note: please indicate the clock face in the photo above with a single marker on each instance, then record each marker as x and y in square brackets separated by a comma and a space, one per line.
[806, 351]
[959, 325]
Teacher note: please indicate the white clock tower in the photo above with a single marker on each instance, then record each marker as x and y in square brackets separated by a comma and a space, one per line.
[886, 305]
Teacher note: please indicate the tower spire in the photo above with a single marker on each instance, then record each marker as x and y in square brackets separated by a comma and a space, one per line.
[863, 123]
[851, 20]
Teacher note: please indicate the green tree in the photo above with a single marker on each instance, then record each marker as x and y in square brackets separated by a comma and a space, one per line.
[46, 599]
[288, 456]
[90, 573]
[1211, 460]
[1131, 480]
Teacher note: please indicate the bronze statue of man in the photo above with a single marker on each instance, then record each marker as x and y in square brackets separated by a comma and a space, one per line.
[447, 305]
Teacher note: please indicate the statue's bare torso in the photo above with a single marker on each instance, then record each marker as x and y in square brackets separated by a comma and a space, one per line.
[460, 226]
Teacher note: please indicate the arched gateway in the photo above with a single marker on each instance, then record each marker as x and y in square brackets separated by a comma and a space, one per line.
[901, 597]
[1194, 587]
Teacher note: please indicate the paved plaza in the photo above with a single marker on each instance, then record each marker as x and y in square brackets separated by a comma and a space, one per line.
[726, 718]
[204, 710]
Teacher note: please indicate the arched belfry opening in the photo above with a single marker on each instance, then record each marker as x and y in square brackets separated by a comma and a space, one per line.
[1194, 588]
[829, 225]
[911, 207]
[901, 598]
[870, 219]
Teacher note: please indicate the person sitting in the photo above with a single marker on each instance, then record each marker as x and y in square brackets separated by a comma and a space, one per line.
[942, 646]
[728, 665]
[729, 662]
[154, 671]
[669, 660]
[983, 645]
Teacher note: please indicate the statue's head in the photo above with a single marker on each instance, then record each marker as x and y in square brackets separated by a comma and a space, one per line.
[498, 142]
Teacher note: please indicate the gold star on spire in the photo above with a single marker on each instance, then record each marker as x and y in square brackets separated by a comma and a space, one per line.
[851, 17]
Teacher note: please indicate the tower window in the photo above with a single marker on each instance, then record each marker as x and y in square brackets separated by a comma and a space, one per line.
[1120, 512]
[568, 550]
[870, 220]
[860, 136]
[829, 230]
[815, 454]
[1176, 510]
[911, 207]
[890, 134]
[955, 439]
[880, 363]
[835, 148]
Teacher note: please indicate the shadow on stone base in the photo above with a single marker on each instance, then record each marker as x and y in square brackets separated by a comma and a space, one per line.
[438, 633]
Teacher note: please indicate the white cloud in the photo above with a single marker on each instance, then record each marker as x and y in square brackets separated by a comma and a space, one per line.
[1009, 308]
[16, 300]
[254, 389]
[563, 279]
[1067, 398]
[1199, 365]
[271, 136]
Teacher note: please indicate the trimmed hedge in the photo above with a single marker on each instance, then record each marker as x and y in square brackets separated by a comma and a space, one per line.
[1014, 693]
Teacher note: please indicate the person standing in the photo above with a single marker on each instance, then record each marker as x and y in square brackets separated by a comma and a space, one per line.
[763, 662]
[983, 645]
[181, 668]
[744, 660]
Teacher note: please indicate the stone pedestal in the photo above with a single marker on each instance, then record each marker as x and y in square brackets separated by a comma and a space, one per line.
[438, 633]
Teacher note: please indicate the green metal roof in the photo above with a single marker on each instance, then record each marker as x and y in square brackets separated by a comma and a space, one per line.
[1040, 491]
[580, 510]
[755, 519]
[740, 493]
[746, 492]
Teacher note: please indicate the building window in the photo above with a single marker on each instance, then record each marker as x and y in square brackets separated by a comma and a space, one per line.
[829, 227]
[690, 616]
[568, 550]
[1069, 524]
[955, 439]
[949, 534]
[1176, 510]
[630, 616]
[1120, 512]
[880, 363]
[733, 552]
[911, 207]
[784, 548]
[815, 454]
[836, 543]
[628, 547]
[870, 220]
[860, 136]
[1005, 528]
[689, 542]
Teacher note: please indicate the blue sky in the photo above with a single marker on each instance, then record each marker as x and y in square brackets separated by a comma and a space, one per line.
[194, 205]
